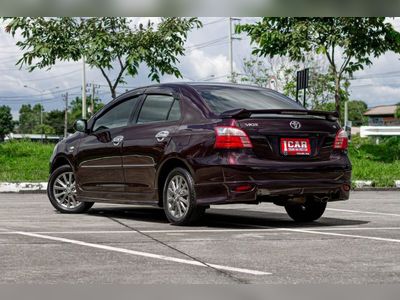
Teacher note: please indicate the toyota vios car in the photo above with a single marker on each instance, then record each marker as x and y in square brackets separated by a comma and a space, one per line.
[185, 146]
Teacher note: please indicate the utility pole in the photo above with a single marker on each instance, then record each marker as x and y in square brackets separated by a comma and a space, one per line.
[84, 110]
[65, 96]
[231, 38]
[93, 92]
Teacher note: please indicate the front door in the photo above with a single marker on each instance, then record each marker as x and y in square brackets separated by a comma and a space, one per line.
[99, 169]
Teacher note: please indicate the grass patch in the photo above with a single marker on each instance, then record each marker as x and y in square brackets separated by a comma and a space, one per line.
[29, 161]
[24, 161]
[379, 163]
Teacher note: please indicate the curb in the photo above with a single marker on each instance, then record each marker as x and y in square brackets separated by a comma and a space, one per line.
[23, 187]
[359, 184]
[376, 189]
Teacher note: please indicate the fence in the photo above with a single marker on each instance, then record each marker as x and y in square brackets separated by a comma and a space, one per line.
[33, 137]
[366, 131]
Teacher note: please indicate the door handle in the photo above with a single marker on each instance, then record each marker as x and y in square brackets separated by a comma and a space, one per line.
[117, 140]
[160, 136]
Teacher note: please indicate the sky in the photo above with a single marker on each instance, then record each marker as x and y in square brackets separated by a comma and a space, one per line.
[206, 59]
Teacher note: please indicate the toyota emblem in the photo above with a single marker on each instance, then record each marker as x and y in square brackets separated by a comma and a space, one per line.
[295, 124]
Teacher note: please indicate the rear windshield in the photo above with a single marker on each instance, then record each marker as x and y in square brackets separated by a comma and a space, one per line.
[221, 99]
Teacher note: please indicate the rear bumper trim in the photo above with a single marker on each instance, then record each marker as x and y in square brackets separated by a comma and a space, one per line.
[267, 191]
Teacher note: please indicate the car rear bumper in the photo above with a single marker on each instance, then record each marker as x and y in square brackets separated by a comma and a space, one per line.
[245, 184]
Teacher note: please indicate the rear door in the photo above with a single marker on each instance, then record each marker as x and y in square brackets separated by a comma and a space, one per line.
[145, 141]
[99, 157]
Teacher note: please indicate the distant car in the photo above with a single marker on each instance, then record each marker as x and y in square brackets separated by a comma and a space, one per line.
[186, 146]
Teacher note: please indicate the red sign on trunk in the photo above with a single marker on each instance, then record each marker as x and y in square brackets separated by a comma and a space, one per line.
[294, 146]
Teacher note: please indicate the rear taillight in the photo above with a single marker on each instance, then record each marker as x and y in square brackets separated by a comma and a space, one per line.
[229, 137]
[341, 140]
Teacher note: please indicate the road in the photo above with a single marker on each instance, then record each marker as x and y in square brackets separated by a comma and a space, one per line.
[356, 241]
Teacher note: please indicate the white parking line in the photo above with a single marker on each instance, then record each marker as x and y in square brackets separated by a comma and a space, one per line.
[147, 231]
[354, 228]
[343, 235]
[182, 231]
[143, 254]
[364, 212]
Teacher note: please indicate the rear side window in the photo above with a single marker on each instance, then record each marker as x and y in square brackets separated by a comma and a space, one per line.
[175, 112]
[221, 99]
[118, 116]
[158, 108]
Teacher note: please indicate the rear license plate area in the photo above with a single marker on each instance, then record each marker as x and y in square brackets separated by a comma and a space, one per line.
[295, 146]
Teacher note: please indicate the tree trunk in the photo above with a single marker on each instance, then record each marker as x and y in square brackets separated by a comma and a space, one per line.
[113, 93]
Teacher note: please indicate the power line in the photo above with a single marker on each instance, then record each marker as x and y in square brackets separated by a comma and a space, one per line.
[376, 76]
[32, 100]
[373, 84]
[2, 98]
[207, 43]
[56, 76]
[214, 22]
[66, 64]
[211, 45]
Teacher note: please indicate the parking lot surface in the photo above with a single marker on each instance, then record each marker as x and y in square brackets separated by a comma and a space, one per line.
[356, 241]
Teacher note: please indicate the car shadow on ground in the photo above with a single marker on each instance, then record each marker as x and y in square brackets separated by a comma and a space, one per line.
[222, 218]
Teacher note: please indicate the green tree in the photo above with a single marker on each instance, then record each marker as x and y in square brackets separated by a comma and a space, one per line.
[44, 129]
[262, 71]
[55, 119]
[356, 110]
[29, 118]
[107, 43]
[348, 43]
[6, 121]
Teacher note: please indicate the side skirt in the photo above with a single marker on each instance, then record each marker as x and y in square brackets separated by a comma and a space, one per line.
[119, 201]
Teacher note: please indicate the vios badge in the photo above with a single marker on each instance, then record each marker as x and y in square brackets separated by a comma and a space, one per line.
[295, 124]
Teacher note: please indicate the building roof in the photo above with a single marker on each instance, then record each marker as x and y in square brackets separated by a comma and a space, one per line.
[382, 110]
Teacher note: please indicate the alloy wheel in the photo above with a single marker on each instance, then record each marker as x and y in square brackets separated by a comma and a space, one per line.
[178, 197]
[64, 190]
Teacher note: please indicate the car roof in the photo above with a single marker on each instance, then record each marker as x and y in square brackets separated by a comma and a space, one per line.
[193, 84]
[204, 83]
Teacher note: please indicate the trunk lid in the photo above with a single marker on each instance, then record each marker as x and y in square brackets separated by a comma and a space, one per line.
[270, 132]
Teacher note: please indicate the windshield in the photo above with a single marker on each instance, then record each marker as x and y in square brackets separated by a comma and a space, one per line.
[222, 98]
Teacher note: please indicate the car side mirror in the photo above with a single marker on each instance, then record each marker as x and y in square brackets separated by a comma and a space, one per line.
[80, 125]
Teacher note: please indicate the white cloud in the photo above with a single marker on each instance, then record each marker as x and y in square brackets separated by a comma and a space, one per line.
[201, 65]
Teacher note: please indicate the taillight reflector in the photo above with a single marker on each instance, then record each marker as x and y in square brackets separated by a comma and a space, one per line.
[229, 137]
[243, 188]
[341, 140]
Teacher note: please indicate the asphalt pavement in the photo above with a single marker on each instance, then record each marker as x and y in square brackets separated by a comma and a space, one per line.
[356, 241]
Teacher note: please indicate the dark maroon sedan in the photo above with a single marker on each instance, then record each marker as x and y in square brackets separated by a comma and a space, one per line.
[185, 146]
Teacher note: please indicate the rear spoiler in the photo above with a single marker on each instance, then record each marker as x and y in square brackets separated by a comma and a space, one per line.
[244, 113]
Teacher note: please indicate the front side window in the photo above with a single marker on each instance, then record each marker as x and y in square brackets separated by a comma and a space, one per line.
[118, 116]
[158, 108]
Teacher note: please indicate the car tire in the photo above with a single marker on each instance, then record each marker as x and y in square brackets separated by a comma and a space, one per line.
[307, 212]
[179, 198]
[62, 192]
